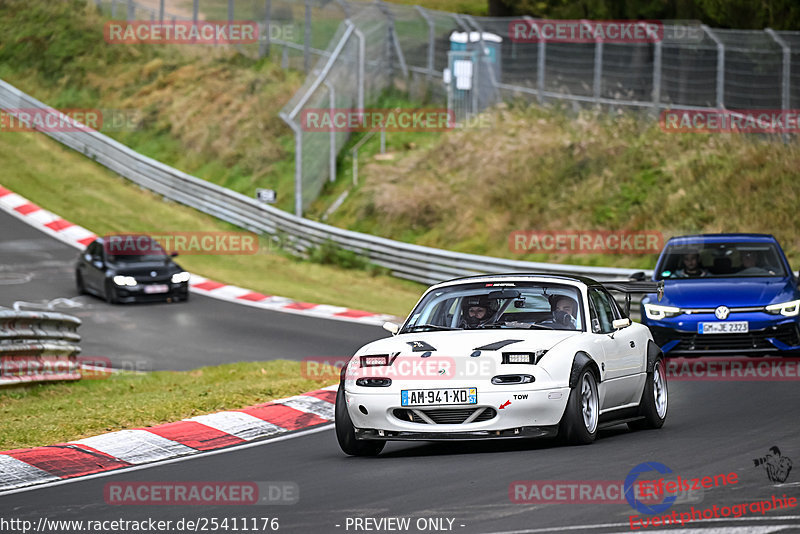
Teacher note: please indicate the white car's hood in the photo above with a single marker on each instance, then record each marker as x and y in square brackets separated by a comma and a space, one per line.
[464, 342]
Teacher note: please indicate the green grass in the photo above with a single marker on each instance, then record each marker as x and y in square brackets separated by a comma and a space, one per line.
[53, 413]
[83, 192]
[528, 168]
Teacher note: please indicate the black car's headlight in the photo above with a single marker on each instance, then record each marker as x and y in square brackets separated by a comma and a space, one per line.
[124, 280]
[180, 277]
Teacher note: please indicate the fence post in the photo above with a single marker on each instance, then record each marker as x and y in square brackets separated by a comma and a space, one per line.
[786, 79]
[540, 60]
[195, 11]
[264, 48]
[332, 136]
[597, 80]
[362, 53]
[298, 163]
[431, 39]
[657, 59]
[720, 67]
[113, 9]
[131, 10]
[161, 10]
[230, 11]
[307, 38]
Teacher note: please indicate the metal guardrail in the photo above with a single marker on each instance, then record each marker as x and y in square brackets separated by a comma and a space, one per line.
[413, 262]
[38, 347]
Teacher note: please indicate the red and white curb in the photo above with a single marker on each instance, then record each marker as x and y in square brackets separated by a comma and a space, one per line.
[79, 237]
[127, 448]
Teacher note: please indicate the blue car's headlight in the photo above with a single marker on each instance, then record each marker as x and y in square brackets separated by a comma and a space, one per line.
[657, 312]
[788, 309]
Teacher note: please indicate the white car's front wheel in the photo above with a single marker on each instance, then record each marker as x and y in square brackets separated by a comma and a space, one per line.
[655, 397]
[346, 433]
[579, 424]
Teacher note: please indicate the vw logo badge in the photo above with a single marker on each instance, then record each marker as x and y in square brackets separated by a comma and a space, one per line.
[722, 312]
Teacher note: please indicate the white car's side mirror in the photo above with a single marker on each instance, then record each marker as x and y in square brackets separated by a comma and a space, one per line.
[394, 328]
[621, 323]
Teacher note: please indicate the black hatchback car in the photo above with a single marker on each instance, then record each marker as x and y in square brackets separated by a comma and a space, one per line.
[146, 275]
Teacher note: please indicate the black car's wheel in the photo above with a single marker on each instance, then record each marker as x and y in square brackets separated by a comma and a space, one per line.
[654, 403]
[111, 293]
[579, 424]
[79, 284]
[346, 434]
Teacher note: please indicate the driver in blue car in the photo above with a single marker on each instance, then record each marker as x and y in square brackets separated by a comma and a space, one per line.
[692, 268]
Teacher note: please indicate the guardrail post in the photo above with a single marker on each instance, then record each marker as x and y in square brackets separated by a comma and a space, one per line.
[307, 38]
[264, 42]
[431, 39]
[720, 66]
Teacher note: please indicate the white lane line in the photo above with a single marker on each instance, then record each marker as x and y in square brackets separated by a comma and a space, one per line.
[172, 460]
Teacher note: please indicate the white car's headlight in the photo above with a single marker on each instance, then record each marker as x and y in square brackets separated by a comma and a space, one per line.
[183, 276]
[125, 280]
[657, 312]
[789, 309]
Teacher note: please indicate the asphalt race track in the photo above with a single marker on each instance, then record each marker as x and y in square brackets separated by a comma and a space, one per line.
[713, 428]
[36, 268]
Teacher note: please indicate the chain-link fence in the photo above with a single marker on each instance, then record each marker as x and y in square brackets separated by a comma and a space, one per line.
[354, 50]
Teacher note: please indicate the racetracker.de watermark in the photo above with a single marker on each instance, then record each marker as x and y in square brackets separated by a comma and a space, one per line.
[421, 366]
[586, 491]
[213, 32]
[185, 243]
[377, 119]
[585, 242]
[200, 493]
[735, 369]
[765, 121]
[585, 31]
[69, 120]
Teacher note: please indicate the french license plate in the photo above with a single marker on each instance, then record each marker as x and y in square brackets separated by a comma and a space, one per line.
[729, 327]
[156, 288]
[433, 397]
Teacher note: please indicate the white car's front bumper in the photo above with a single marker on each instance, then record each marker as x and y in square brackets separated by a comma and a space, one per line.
[377, 414]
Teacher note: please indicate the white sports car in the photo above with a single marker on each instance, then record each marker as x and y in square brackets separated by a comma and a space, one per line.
[504, 356]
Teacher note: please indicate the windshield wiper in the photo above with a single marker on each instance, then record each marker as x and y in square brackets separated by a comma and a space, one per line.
[431, 326]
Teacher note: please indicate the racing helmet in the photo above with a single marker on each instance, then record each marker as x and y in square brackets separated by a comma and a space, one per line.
[473, 301]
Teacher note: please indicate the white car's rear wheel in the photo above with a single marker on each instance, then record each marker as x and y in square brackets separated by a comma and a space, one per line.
[346, 433]
[655, 399]
[579, 424]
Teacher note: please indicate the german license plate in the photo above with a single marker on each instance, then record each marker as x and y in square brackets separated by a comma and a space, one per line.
[156, 288]
[438, 397]
[729, 327]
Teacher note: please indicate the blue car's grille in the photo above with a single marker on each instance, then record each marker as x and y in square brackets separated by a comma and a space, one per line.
[754, 341]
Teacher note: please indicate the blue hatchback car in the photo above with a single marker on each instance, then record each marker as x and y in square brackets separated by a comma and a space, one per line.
[724, 293]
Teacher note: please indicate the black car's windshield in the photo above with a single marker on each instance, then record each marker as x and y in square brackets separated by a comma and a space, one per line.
[137, 258]
[521, 305]
[720, 260]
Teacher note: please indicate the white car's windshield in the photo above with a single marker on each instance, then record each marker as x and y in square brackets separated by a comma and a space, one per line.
[525, 305]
